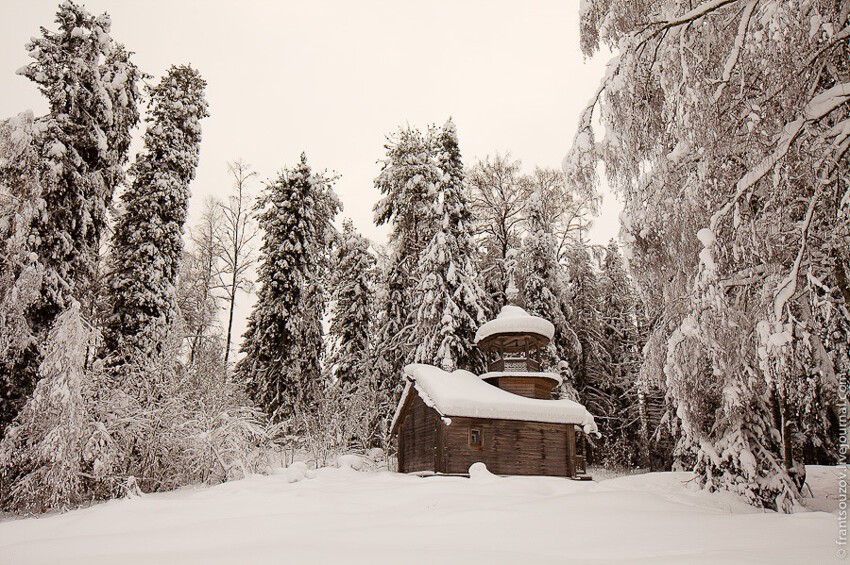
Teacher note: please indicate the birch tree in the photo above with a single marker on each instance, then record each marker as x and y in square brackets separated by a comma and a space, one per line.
[236, 238]
[498, 193]
[727, 133]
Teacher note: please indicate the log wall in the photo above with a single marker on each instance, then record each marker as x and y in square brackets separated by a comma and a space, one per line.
[530, 387]
[509, 447]
[417, 436]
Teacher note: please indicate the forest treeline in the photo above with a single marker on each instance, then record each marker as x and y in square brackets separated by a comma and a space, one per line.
[716, 341]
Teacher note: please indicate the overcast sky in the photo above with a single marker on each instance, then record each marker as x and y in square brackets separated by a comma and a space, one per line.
[334, 78]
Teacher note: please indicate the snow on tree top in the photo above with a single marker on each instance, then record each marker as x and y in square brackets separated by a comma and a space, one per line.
[462, 394]
[513, 319]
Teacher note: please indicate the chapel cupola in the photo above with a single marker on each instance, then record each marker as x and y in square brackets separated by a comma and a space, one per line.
[512, 344]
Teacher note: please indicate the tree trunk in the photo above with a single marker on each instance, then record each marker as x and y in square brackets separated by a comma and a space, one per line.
[230, 319]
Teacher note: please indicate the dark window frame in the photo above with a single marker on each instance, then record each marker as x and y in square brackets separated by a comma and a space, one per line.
[474, 437]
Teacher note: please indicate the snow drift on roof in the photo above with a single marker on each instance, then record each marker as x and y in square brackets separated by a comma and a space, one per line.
[522, 374]
[463, 394]
[513, 319]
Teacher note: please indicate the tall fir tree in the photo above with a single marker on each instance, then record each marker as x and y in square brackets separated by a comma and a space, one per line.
[352, 386]
[350, 330]
[449, 294]
[21, 272]
[83, 143]
[617, 383]
[148, 240]
[408, 183]
[283, 343]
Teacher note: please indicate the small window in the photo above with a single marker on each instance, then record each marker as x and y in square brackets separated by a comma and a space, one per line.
[474, 437]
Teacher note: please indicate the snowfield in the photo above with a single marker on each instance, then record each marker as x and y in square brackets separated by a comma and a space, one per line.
[346, 516]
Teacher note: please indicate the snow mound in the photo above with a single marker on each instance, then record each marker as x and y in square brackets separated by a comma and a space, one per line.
[350, 461]
[479, 472]
[513, 319]
[297, 471]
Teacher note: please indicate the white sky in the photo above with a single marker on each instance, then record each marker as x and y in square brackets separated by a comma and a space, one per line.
[334, 78]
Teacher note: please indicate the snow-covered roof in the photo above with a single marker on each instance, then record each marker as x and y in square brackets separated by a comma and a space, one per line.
[463, 394]
[513, 319]
[522, 374]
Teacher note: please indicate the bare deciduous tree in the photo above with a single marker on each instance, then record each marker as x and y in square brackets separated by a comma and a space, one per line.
[497, 196]
[235, 239]
[199, 277]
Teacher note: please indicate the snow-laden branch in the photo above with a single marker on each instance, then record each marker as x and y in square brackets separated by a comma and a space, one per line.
[690, 16]
[786, 288]
[817, 108]
[732, 59]
[696, 13]
[810, 60]
[827, 101]
[789, 134]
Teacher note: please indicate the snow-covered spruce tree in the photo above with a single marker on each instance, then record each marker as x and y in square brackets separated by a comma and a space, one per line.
[545, 289]
[148, 240]
[20, 270]
[351, 387]
[408, 183]
[82, 144]
[283, 343]
[352, 284]
[736, 211]
[449, 295]
[629, 417]
[589, 356]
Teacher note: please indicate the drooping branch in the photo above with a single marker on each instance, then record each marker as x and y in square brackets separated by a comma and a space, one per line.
[662, 26]
[732, 59]
[786, 288]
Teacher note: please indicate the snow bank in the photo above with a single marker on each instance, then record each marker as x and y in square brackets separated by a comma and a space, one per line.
[463, 394]
[345, 517]
[513, 319]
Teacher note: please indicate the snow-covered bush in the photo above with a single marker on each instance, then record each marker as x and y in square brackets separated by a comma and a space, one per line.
[180, 426]
[91, 434]
[348, 420]
[55, 454]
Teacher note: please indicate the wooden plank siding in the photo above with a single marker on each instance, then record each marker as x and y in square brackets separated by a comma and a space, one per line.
[510, 447]
[530, 387]
[417, 436]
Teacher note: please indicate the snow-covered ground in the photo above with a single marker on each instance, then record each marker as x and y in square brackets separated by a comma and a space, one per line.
[345, 516]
